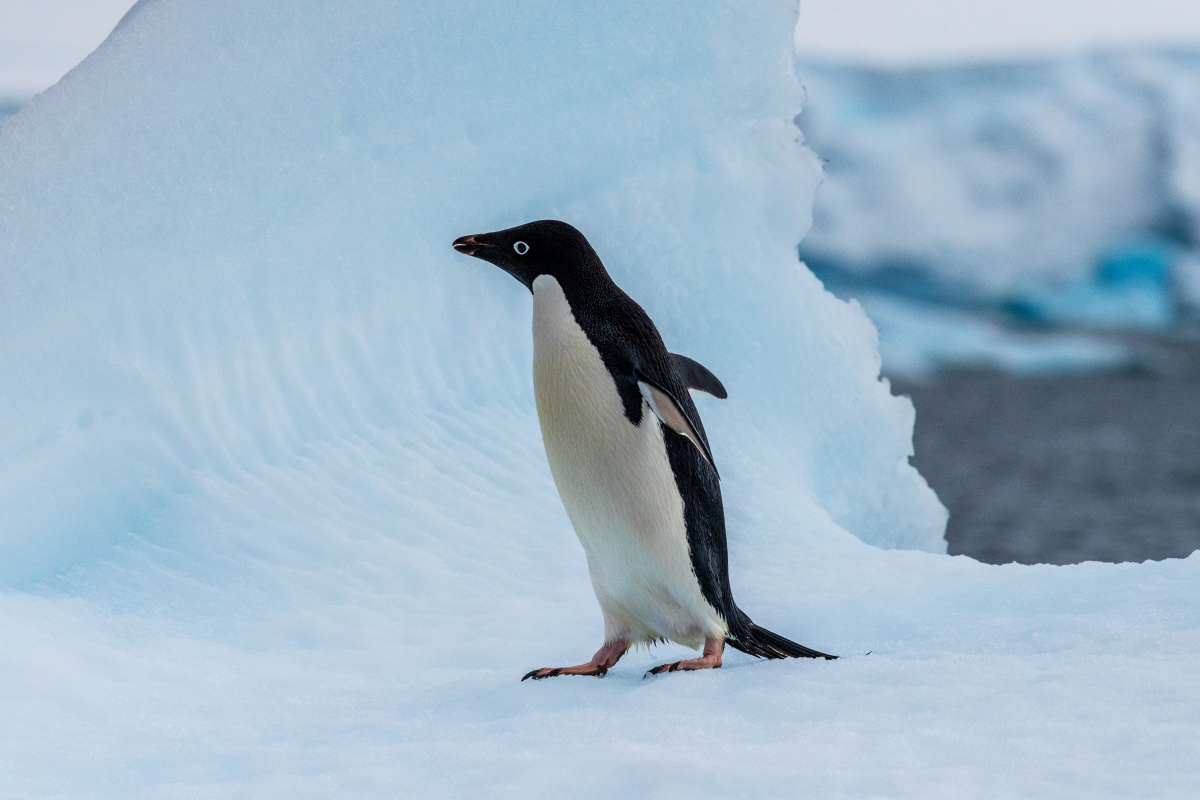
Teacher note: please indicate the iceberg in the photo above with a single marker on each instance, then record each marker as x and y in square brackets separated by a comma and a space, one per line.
[1017, 186]
[277, 520]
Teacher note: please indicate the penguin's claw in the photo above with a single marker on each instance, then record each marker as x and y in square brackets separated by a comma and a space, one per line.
[713, 647]
[661, 668]
[681, 666]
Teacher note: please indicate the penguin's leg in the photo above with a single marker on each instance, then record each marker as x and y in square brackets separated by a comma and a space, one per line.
[714, 646]
[605, 657]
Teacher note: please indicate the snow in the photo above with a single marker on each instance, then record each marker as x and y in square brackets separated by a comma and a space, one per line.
[278, 522]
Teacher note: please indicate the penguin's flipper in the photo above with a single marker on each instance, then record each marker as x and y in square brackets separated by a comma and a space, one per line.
[697, 376]
[671, 414]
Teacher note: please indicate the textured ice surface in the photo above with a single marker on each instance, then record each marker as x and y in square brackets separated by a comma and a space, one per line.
[277, 520]
[213, 276]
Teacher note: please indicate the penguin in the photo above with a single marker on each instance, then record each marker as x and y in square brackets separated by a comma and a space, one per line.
[629, 456]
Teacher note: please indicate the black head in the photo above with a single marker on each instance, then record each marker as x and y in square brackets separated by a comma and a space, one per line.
[545, 247]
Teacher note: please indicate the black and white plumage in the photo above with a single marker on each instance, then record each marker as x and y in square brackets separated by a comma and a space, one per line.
[628, 453]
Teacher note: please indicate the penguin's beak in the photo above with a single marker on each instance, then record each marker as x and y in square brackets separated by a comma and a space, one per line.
[470, 245]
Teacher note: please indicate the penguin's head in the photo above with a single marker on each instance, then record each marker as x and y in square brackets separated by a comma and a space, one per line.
[545, 247]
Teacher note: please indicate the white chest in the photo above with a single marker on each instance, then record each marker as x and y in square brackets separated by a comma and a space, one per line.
[616, 485]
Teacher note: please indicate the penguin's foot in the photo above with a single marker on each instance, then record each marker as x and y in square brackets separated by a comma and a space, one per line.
[599, 665]
[714, 646]
[590, 668]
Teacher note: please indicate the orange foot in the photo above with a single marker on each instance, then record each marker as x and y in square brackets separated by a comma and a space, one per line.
[605, 657]
[714, 646]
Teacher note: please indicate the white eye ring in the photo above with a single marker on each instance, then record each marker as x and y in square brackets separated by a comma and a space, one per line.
[521, 248]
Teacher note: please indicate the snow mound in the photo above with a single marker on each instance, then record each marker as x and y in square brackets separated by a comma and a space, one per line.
[277, 520]
[234, 270]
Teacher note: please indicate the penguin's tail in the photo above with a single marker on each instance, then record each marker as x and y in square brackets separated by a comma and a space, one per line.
[758, 641]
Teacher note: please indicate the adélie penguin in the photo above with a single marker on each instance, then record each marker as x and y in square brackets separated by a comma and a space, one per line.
[629, 456]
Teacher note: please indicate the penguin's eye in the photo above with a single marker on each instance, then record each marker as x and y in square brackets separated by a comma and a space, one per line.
[521, 248]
